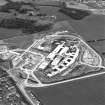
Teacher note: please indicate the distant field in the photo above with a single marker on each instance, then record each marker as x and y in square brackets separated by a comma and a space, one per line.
[90, 28]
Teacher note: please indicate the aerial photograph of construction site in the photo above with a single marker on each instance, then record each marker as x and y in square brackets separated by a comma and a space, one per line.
[52, 52]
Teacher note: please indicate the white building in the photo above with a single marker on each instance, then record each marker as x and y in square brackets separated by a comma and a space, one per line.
[60, 59]
[60, 56]
[64, 64]
[55, 51]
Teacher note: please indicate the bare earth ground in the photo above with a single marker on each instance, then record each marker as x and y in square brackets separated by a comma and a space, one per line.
[89, 91]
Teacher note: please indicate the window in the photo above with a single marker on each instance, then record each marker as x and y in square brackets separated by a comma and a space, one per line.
[65, 63]
[60, 67]
[69, 60]
[71, 57]
[55, 70]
